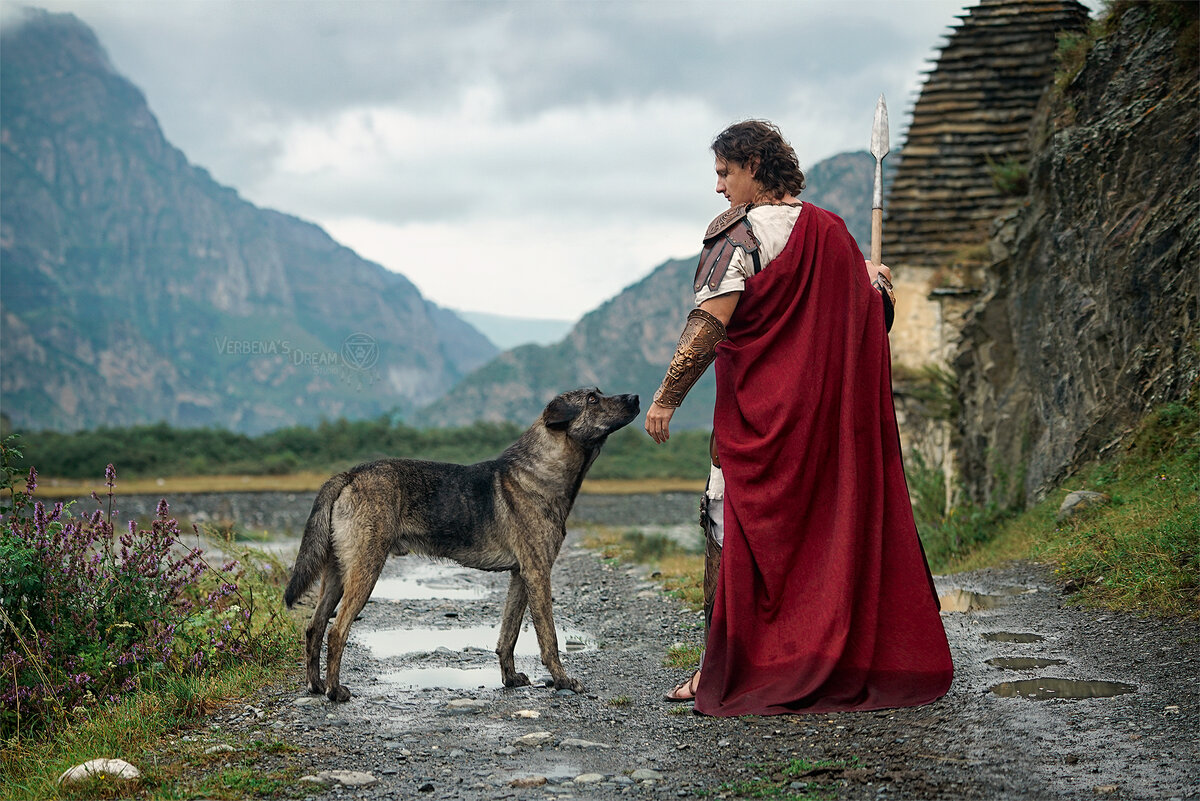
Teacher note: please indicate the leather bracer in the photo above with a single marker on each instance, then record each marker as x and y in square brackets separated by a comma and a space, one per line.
[696, 350]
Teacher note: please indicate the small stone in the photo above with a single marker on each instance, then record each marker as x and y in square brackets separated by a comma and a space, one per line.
[322, 780]
[573, 742]
[427, 787]
[507, 750]
[528, 781]
[589, 778]
[1104, 789]
[348, 778]
[534, 738]
[108, 768]
[219, 749]
[642, 774]
[466, 706]
[1077, 501]
[527, 713]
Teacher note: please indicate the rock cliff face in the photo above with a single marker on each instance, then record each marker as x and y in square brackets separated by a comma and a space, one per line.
[1090, 317]
[135, 288]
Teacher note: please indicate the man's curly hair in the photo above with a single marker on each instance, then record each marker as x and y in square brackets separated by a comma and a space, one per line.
[778, 168]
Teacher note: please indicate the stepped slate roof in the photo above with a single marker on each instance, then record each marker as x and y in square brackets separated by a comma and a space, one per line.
[977, 104]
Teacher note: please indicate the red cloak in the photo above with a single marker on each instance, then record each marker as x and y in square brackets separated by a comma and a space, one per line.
[824, 600]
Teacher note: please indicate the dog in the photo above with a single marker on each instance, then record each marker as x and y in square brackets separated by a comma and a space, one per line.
[509, 514]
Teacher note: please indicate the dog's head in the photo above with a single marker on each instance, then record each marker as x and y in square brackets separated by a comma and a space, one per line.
[588, 416]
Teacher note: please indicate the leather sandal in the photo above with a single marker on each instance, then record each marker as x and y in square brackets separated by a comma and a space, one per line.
[688, 686]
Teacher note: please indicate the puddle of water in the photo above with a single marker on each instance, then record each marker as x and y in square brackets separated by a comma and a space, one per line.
[1045, 688]
[959, 600]
[1011, 636]
[1023, 662]
[386, 643]
[427, 580]
[447, 678]
[407, 589]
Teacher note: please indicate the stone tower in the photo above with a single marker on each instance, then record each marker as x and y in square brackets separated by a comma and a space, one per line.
[963, 165]
[963, 161]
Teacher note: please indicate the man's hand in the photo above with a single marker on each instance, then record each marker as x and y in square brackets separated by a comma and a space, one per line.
[658, 421]
[874, 269]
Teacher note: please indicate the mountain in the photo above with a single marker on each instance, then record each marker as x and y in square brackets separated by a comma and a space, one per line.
[136, 288]
[508, 332]
[626, 344]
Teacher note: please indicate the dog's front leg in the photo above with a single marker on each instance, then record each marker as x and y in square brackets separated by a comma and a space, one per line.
[537, 584]
[510, 627]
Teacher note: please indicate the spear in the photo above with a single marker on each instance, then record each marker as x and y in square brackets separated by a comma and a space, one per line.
[879, 149]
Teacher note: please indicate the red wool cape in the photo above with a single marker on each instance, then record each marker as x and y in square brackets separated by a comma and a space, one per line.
[824, 601]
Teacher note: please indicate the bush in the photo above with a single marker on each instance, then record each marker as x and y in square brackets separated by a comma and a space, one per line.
[87, 615]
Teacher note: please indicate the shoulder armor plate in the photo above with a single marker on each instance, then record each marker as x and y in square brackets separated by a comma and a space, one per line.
[731, 229]
[726, 219]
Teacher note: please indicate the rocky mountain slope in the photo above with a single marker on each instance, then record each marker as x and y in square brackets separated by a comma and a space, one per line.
[626, 343]
[135, 288]
[1090, 316]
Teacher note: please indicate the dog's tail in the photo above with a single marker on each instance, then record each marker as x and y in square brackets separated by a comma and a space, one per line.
[317, 541]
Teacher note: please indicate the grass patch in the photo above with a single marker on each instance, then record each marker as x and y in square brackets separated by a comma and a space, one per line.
[796, 779]
[1141, 552]
[620, 700]
[682, 655]
[678, 570]
[142, 729]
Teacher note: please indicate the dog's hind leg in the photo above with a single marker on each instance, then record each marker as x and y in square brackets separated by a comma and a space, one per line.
[510, 627]
[331, 593]
[359, 581]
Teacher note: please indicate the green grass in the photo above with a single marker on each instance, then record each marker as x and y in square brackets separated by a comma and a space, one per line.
[1141, 552]
[682, 655]
[795, 779]
[142, 729]
[678, 570]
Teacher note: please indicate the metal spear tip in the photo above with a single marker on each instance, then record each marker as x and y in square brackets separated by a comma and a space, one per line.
[880, 139]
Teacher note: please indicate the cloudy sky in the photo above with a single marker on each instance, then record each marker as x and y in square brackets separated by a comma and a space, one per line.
[528, 158]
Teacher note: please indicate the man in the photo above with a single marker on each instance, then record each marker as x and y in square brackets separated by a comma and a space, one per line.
[823, 600]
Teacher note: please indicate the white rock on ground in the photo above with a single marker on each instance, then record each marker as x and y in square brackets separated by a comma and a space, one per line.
[534, 738]
[112, 768]
[346, 778]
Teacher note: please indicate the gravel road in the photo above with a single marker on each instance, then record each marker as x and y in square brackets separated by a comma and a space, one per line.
[429, 720]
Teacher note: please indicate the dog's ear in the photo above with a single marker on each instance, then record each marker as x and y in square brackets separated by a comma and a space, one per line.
[559, 414]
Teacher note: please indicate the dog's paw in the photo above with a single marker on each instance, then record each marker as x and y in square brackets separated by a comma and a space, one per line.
[517, 680]
[316, 687]
[339, 694]
[568, 683]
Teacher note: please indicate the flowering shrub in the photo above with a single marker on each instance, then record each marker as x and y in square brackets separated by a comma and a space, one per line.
[87, 613]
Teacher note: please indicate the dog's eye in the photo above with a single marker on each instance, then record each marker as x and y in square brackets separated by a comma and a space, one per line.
[592, 398]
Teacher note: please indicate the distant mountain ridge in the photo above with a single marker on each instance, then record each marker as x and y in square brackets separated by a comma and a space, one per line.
[507, 332]
[135, 288]
[626, 343]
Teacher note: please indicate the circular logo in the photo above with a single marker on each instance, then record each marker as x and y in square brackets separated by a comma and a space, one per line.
[360, 351]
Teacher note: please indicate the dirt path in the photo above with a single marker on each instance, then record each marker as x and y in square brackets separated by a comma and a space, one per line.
[453, 739]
